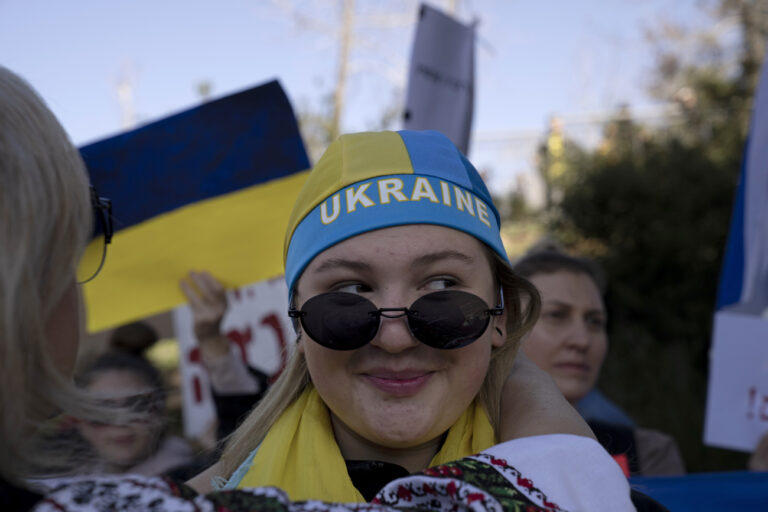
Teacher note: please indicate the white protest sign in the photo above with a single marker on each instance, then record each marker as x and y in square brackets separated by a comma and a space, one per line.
[441, 78]
[737, 400]
[256, 323]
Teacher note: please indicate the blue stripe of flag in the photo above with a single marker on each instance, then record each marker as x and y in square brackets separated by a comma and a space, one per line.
[732, 272]
[242, 140]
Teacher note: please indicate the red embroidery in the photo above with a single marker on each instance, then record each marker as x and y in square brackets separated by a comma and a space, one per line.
[498, 462]
[475, 496]
[404, 494]
[524, 482]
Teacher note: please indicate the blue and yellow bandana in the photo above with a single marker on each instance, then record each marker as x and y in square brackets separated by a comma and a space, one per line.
[369, 181]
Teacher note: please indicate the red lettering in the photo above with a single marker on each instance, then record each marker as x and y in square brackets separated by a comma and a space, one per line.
[194, 356]
[197, 389]
[757, 405]
[241, 339]
[764, 410]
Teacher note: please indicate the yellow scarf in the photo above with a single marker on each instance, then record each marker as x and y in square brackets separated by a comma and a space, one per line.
[300, 454]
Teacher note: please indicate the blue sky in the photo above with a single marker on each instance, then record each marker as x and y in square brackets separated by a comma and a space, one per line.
[535, 58]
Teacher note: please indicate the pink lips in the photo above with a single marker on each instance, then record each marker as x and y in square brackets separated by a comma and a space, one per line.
[400, 384]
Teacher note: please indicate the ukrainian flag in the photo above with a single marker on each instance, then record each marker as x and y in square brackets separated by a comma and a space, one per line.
[208, 188]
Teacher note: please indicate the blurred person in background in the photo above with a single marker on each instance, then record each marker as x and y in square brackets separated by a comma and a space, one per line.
[134, 338]
[594, 405]
[569, 341]
[236, 387]
[141, 446]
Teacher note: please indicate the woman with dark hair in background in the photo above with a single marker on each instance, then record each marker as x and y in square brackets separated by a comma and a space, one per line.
[569, 341]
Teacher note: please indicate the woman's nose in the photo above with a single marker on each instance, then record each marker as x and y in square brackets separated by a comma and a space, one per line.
[394, 335]
[579, 336]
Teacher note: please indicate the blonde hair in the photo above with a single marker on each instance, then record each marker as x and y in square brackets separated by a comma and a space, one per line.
[45, 219]
[522, 306]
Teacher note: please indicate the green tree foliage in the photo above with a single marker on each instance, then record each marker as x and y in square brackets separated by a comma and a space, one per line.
[653, 206]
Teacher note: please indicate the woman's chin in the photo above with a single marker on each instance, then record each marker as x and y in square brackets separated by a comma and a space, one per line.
[392, 427]
[574, 389]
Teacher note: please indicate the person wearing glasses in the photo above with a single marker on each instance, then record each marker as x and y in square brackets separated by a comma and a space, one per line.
[408, 320]
[46, 218]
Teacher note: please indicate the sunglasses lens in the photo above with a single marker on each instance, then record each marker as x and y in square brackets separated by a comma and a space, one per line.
[341, 321]
[92, 259]
[448, 319]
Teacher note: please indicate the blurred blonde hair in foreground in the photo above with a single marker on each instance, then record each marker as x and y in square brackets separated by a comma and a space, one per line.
[45, 220]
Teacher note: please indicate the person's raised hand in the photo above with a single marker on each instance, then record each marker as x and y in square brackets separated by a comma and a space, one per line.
[208, 302]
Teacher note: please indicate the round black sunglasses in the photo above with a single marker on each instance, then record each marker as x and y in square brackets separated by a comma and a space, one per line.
[445, 319]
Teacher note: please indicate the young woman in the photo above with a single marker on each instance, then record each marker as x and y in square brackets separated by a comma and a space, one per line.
[408, 319]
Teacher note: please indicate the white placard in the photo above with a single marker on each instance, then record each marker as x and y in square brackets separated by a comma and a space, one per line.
[737, 400]
[256, 323]
[441, 77]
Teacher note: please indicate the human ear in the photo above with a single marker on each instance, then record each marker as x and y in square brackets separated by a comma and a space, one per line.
[499, 336]
[499, 322]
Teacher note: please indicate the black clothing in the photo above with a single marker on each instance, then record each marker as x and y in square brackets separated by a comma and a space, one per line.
[369, 476]
[232, 409]
[618, 441]
[17, 499]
